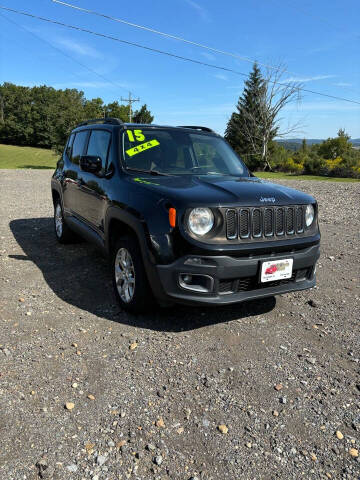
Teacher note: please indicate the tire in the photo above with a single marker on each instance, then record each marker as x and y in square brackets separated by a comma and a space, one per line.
[131, 286]
[62, 231]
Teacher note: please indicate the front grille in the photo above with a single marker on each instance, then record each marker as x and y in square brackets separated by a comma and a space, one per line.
[245, 284]
[264, 222]
[269, 222]
[256, 222]
[244, 227]
[290, 220]
[280, 221]
[231, 224]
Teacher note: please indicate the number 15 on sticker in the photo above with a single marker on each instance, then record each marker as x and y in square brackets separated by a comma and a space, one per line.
[139, 136]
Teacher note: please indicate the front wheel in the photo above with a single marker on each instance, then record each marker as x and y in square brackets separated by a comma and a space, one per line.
[131, 286]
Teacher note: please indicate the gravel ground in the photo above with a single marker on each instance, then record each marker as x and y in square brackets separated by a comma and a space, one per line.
[261, 390]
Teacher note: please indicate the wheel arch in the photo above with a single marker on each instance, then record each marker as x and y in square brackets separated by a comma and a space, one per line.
[56, 192]
[120, 223]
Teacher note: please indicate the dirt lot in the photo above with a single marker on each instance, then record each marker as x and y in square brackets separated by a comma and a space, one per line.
[150, 392]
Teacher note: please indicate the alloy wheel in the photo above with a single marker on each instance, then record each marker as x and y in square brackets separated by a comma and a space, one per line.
[125, 275]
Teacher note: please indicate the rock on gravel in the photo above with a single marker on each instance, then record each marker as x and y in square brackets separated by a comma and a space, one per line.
[162, 383]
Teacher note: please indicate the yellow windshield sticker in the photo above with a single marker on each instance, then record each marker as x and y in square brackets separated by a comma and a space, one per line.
[140, 137]
[143, 146]
[146, 182]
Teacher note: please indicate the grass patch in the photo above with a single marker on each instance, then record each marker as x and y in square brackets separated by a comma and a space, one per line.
[289, 176]
[27, 157]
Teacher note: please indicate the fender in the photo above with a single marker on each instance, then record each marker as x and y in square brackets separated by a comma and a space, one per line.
[55, 185]
[135, 223]
[139, 227]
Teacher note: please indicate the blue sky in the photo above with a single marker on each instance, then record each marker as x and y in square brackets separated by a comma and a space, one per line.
[319, 42]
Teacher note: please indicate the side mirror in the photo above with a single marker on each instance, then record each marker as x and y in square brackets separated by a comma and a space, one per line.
[90, 163]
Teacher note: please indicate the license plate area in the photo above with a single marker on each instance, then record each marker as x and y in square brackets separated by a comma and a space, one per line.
[273, 270]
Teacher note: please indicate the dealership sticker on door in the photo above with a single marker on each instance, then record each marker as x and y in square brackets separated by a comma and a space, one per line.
[276, 270]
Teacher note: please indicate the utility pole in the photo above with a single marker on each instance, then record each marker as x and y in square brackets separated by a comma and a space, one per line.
[130, 101]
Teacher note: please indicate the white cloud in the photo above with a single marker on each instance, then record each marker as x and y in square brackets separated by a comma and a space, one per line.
[343, 84]
[208, 56]
[308, 79]
[220, 76]
[79, 48]
[201, 10]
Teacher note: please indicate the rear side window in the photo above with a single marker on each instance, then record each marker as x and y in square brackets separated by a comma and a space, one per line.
[69, 145]
[78, 146]
[99, 145]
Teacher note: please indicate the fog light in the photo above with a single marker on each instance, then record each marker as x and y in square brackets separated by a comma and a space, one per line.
[196, 283]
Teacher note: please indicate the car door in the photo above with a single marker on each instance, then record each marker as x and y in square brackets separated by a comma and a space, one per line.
[75, 148]
[91, 195]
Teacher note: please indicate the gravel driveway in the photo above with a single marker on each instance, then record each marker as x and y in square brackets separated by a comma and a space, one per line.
[261, 390]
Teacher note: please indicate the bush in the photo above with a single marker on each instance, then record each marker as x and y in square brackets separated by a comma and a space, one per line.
[293, 167]
[315, 166]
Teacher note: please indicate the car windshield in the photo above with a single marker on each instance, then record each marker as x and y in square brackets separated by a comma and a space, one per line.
[178, 152]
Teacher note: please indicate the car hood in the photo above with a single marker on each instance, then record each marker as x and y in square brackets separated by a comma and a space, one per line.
[193, 190]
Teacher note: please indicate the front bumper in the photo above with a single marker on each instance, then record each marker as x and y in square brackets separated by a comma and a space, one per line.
[236, 279]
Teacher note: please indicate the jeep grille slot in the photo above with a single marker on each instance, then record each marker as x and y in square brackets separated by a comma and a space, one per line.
[290, 220]
[299, 219]
[231, 224]
[280, 221]
[244, 219]
[269, 222]
[264, 222]
[256, 223]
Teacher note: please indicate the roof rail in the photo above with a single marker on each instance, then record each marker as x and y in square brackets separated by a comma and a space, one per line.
[112, 121]
[195, 127]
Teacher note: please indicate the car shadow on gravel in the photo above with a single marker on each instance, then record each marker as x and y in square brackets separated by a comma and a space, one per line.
[79, 276]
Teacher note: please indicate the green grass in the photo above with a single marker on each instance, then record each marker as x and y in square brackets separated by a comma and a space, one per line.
[289, 176]
[27, 157]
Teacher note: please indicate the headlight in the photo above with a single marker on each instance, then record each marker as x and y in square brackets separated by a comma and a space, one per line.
[201, 221]
[309, 215]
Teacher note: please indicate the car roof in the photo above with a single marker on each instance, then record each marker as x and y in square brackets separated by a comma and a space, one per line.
[110, 123]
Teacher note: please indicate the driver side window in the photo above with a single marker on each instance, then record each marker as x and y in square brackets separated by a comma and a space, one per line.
[99, 144]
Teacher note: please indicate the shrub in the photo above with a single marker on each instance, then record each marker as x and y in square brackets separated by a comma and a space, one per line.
[315, 165]
[291, 166]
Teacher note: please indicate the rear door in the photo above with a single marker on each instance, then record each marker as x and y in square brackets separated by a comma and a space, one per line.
[91, 195]
[76, 148]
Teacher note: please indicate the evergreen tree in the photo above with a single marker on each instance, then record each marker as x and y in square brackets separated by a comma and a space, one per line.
[304, 146]
[243, 130]
[143, 115]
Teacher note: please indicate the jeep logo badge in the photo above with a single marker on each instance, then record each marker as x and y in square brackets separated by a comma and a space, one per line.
[267, 199]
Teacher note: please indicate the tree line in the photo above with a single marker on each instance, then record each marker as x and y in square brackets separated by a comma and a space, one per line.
[254, 126]
[43, 116]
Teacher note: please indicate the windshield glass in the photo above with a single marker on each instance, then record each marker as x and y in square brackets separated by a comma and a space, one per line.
[178, 152]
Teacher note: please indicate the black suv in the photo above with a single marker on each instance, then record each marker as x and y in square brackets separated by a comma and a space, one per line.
[181, 217]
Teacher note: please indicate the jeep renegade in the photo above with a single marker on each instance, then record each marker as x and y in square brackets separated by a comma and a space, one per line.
[181, 217]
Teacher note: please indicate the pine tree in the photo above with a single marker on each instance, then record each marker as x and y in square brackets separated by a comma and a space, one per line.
[243, 130]
[143, 115]
[304, 147]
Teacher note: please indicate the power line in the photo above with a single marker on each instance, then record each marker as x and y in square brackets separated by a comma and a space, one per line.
[169, 35]
[163, 52]
[62, 52]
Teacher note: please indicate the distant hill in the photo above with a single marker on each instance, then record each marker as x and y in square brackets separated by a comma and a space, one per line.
[295, 143]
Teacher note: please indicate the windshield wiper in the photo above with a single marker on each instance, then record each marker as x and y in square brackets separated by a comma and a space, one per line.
[150, 172]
